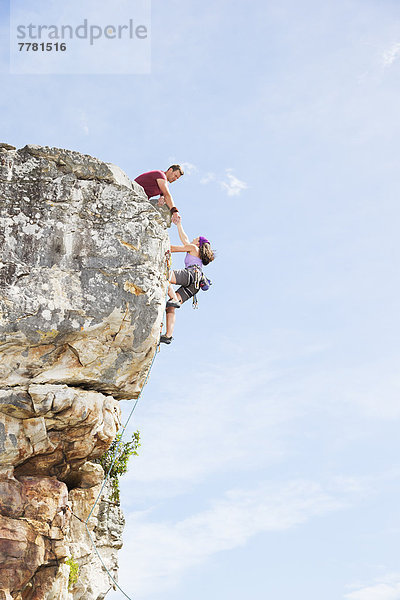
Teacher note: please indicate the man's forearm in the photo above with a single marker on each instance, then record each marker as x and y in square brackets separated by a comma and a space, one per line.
[168, 200]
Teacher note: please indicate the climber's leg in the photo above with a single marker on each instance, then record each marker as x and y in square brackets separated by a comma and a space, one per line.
[170, 321]
[181, 277]
[186, 292]
[172, 295]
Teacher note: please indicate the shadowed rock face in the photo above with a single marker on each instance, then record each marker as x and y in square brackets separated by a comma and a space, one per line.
[82, 293]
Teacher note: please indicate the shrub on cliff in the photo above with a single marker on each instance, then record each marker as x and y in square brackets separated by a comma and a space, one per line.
[116, 460]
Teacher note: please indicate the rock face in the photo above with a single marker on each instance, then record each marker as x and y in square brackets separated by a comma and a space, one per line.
[82, 290]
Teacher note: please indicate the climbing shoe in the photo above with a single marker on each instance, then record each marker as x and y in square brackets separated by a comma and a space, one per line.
[165, 339]
[173, 304]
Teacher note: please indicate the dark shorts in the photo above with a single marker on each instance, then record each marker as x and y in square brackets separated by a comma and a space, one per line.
[185, 279]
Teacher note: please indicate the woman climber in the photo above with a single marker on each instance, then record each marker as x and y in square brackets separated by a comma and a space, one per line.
[191, 279]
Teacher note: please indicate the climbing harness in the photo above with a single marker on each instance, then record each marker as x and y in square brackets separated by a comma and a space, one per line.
[200, 282]
[197, 275]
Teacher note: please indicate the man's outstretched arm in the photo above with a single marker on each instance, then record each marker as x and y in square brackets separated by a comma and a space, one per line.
[163, 185]
[169, 201]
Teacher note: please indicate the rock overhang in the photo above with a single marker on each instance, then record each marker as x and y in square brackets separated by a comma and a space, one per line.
[82, 274]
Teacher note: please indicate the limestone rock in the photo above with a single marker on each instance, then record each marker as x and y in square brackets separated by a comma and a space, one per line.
[82, 272]
[82, 294]
[68, 427]
[105, 526]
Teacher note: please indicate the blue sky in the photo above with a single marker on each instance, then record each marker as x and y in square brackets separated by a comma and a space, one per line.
[269, 460]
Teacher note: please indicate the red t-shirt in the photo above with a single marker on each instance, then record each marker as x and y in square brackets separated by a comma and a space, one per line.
[148, 181]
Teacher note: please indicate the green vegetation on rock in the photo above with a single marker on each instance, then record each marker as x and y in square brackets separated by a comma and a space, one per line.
[73, 571]
[121, 452]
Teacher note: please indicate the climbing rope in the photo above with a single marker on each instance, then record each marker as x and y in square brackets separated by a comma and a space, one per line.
[85, 522]
[107, 476]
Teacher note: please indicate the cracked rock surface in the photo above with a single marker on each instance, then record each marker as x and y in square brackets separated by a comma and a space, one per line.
[82, 295]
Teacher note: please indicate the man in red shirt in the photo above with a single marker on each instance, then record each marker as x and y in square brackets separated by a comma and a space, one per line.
[155, 183]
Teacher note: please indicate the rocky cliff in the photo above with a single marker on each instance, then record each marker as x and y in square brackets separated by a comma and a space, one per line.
[82, 289]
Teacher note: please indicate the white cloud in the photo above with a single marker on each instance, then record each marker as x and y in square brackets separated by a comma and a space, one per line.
[233, 186]
[163, 551]
[189, 168]
[384, 590]
[208, 177]
[391, 55]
